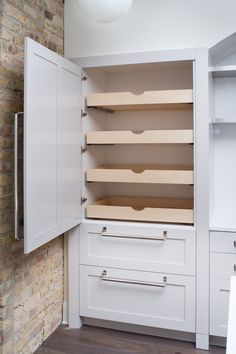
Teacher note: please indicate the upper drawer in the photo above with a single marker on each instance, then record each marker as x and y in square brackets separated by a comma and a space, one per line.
[223, 242]
[158, 249]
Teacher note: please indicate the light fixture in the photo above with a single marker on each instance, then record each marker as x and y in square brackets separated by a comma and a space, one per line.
[104, 11]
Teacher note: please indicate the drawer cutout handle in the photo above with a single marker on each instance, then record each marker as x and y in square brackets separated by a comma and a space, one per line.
[163, 237]
[104, 277]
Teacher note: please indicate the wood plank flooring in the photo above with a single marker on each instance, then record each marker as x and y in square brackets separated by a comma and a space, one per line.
[93, 340]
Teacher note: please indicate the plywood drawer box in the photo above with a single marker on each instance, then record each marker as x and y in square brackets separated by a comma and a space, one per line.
[143, 209]
[145, 137]
[141, 174]
[219, 306]
[223, 265]
[157, 249]
[149, 299]
[121, 101]
[223, 242]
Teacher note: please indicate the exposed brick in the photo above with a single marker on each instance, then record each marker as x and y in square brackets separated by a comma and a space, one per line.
[48, 15]
[31, 290]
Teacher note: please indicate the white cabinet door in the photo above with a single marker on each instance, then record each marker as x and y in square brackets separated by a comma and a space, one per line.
[51, 145]
[68, 149]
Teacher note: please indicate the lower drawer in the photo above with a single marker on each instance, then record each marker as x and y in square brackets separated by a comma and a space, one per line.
[148, 248]
[149, 299]
[219, 306]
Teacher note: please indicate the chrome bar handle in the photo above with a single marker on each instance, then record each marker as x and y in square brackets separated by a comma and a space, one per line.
[16, 191]
[163, 237]
[104, 277]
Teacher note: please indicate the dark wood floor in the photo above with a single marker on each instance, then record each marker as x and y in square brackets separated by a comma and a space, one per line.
[93, 340]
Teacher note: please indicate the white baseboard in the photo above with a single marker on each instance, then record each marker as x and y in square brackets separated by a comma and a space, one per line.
[151, 331]
[65, 317]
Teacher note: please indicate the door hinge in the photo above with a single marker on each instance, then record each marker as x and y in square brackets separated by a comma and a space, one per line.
[83, 77]
[83, 200]
[83, 114]
[83, 149]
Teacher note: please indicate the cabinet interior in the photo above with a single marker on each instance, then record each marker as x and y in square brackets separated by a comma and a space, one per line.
[138, 79]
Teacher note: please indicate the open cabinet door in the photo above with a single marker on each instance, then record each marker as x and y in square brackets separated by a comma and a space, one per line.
[52, 140]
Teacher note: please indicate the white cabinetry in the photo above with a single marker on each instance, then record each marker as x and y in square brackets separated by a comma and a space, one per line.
[222, 267]
[222, 75]
[143, 238]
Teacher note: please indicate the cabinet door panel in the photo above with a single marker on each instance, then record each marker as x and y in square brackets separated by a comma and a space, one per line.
[51, 141]
[68, 148]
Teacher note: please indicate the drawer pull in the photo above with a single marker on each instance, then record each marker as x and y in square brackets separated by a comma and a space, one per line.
[225, 290]
[104, 277]
[235, 267]
[234, 243]
[137, 237]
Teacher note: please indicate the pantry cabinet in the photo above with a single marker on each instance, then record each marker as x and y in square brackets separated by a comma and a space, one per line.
[116, 155]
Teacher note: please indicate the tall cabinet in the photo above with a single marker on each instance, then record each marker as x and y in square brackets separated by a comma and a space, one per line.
[131, 145]
[222, 78]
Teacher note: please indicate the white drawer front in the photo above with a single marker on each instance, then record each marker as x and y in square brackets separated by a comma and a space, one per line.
[149, 249]
[223, 242]
[138, 297]
[223, 265]
[219, 306]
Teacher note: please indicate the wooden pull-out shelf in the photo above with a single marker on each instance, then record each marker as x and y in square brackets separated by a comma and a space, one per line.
[142, 174]
[146, 137]
[121, 101]
[143, 209]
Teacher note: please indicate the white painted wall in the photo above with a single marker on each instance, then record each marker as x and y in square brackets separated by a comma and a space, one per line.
[150, 25]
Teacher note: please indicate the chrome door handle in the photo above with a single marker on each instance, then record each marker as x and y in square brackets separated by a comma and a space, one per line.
[16, 191]
[163, 237]
[104, 277]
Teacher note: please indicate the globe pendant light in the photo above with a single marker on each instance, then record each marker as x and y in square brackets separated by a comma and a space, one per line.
[104, 11]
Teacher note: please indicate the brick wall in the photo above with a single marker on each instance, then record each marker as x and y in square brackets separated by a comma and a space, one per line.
[31, 286]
